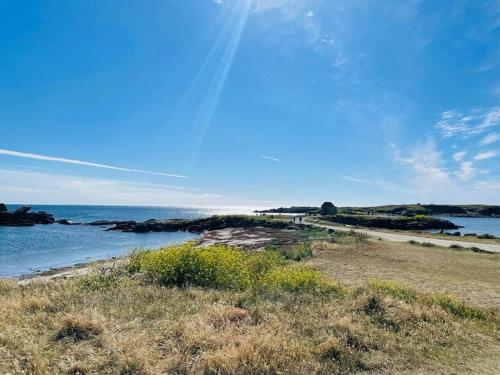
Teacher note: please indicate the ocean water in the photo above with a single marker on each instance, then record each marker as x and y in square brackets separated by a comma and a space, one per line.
[25, 250]
[478, 225]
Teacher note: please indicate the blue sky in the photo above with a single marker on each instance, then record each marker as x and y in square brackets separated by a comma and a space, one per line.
[249, 103]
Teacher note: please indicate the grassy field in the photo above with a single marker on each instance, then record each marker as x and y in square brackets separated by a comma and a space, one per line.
[220, 310]
[471, 276]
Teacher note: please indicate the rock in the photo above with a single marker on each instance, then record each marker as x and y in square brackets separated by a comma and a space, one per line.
[100, 223]
[327, 208]
[456, 234]
[22, 210]
[197, 225]
[195, 229]
[470, 234]
[66, 222]
[3, 207]
[22, 217]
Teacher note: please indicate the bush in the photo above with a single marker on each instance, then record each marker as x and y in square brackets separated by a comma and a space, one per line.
[455, 307]
[134, 260]
[298, 252]
[421, 217]
[394, 289]
[217, 266]
[299, 279]
[226, 267]
[486, 236]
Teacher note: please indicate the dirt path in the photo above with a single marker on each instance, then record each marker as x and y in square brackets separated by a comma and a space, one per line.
[405, 238]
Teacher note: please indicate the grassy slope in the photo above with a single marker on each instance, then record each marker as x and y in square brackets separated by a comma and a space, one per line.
[113, 322]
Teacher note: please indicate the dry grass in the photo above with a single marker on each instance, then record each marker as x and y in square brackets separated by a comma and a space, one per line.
[114, 322]
[473, 277]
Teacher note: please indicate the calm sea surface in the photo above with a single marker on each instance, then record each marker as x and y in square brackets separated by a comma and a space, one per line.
[26, 250]
[478, 225]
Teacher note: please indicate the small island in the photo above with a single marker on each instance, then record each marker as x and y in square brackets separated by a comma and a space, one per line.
[22, 217]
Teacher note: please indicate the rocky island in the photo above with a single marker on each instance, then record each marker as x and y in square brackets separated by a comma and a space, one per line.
[194, 226]
[22, 217]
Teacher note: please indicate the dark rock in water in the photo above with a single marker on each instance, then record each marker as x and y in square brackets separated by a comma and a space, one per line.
[22, 210]
[23, 218]
[3, 207]
[327, 208]
[456, 234]
[470, 234]
[66, 222]
[198, 225]
[110, 222]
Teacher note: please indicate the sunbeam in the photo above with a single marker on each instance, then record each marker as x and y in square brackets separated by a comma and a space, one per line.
[204, 91]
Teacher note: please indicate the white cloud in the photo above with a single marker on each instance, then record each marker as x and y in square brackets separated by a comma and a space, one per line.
[467, 171]
[453, 123]
[381, 184]
[83, 163]
[485, 155]
[489, 139]
[426, 160]
[459, 156]
[270, 158]
[46, 188]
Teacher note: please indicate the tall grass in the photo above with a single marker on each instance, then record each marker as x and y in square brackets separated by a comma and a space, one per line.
[447, 302]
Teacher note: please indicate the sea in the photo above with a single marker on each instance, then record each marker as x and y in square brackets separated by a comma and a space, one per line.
[31, 250]
[478, 225]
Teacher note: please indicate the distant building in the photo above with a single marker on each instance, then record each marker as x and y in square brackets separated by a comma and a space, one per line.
[327, 208]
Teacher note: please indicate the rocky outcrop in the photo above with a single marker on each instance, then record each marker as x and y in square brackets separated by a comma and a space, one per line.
[66, 222]
[290, 210]
[194, 226]
[327, 208]
[22, 217]
[400, 223]
[3, 207]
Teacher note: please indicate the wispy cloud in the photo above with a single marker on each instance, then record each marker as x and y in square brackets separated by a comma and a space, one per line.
[459, 156]
[485, 155]
[489, 139]
[270, 158]
[426, 160]
[454, 123]
[83, 163]
[466, 171]
[381, 184]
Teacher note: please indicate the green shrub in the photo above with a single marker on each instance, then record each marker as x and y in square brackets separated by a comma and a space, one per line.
[226, 267]
[421, 217]
[452, 305]
[134, 260]
[394, 289]
[300, 279]
[448, 303]
[217, 266]
[298, 252]
[486, 236]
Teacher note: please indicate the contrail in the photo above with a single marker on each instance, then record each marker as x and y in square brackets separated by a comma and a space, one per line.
[270, 158]
[80, 162]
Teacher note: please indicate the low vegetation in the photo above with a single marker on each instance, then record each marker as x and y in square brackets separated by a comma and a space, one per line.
[419, 222]
[222, 310]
